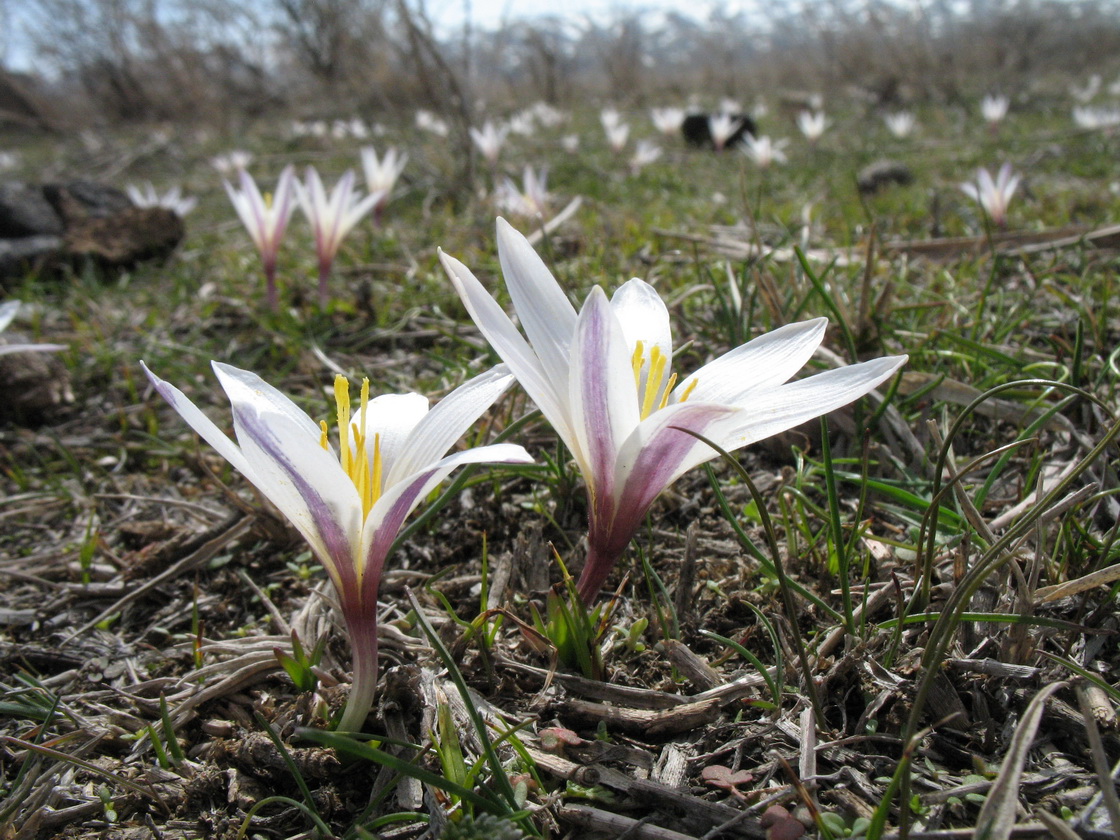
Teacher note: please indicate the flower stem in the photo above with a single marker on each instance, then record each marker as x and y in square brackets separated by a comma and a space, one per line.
[362, 630]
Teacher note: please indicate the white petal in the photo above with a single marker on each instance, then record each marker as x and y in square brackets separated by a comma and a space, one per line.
[202, 424]
[760, 364]
[393, 417]
[603, 396]
[545, 312]
[643, 316]
[794, 403]
[437, 432]
[513, 349]
[244, 386]
[8, 311]
[306, 483]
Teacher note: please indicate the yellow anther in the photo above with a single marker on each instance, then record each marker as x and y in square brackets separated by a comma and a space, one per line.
[654, 378]
[689, 389]
[342, 401]
[354, 456]
[267, 200]
[636, 362]
[323, 440]
[668, 390]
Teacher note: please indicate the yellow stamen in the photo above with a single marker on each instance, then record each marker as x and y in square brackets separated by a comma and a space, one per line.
[323, 440]
[342, 401]
[668, 390]
[654, 378]
[689, 389]
[267, 200]
[354, 455]
[375, 490]
[636, 362]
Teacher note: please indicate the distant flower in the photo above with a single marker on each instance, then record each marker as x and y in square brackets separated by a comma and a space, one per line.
[331, 217]
[1085, 94]
[812, 124]
[531, 201]
[489, 139]
[760, 109]
[266, 218]
[381, 175]
[430, 122]
[900, 123]
[617, 135]
[993, 195]
[348, 500]
[667, 120]
[232, 163]
[8, 160]
[8, 311]
[730, 106]
[523, 124]
[145, 195]
[816, 102]
[602, 378]
[994, 108]
[570, 142]
[764, 151]
[1096, 118]
[645, 153]
[547, 115]
[610, 118]
[722, 126]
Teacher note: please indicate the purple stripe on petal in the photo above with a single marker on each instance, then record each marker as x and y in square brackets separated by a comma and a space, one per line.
[331, 534]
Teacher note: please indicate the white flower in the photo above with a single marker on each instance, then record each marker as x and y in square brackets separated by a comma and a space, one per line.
[570, 142]
[994, 108]
[602, 378]
[145, 195]
[617, 135]
[645, 153]
[721, 126]
[993, 194]
[900, 123]
[381, 175]
[266, 218]
[667, 120]
[812, 124]
[8, 311]
[764, 151]
[430, 122]
[349, 503]
[489, 140]
[232, 163]
[532, 201]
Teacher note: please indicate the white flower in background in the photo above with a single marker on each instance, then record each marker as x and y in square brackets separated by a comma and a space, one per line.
[730, 106]
[340, 129]
[358, 129]
[232, 163]
[8, 160]
[430, 122]
[764, 151]
[645, 153]
[816, 102]
[900, 124]
[547, 115]
[667, 120]
[8, 311]
[145, 195]
[617, 136]
[381, 175]
[348, 502]
[722, 126]
[602, 378]
[610, 118]
[523, 124]
[993, 108]
[812, 124]
[570, 143]
[266, 218]
[993, 194]
[1091, 118]
[1085, 94]
[331, 217]
[489, 140]
[531, 201]
[761, 109]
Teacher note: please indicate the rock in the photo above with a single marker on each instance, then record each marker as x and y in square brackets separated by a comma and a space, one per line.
[882, 174]
[44, 228]
[697, 132]
[25, 211]
[35, 384]
[126, 238]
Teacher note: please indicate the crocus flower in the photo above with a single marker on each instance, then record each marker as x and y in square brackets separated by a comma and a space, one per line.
[721, 126]
[1085, 94]
[174, 200]
[570, 142]
[381, 175]
[993, 195]
[645, 153]
[993, 108]
[348, 502]
[489, 140]
[602, 378]
[812, 124]
[610, 117]
[233, 162]
[8, 160]
[430, 122]
[266, 217]
[8, 311]
[617, 135]
[667, 120]
[531, 201]
[900, 123]
[331, 217]
[764, 151]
